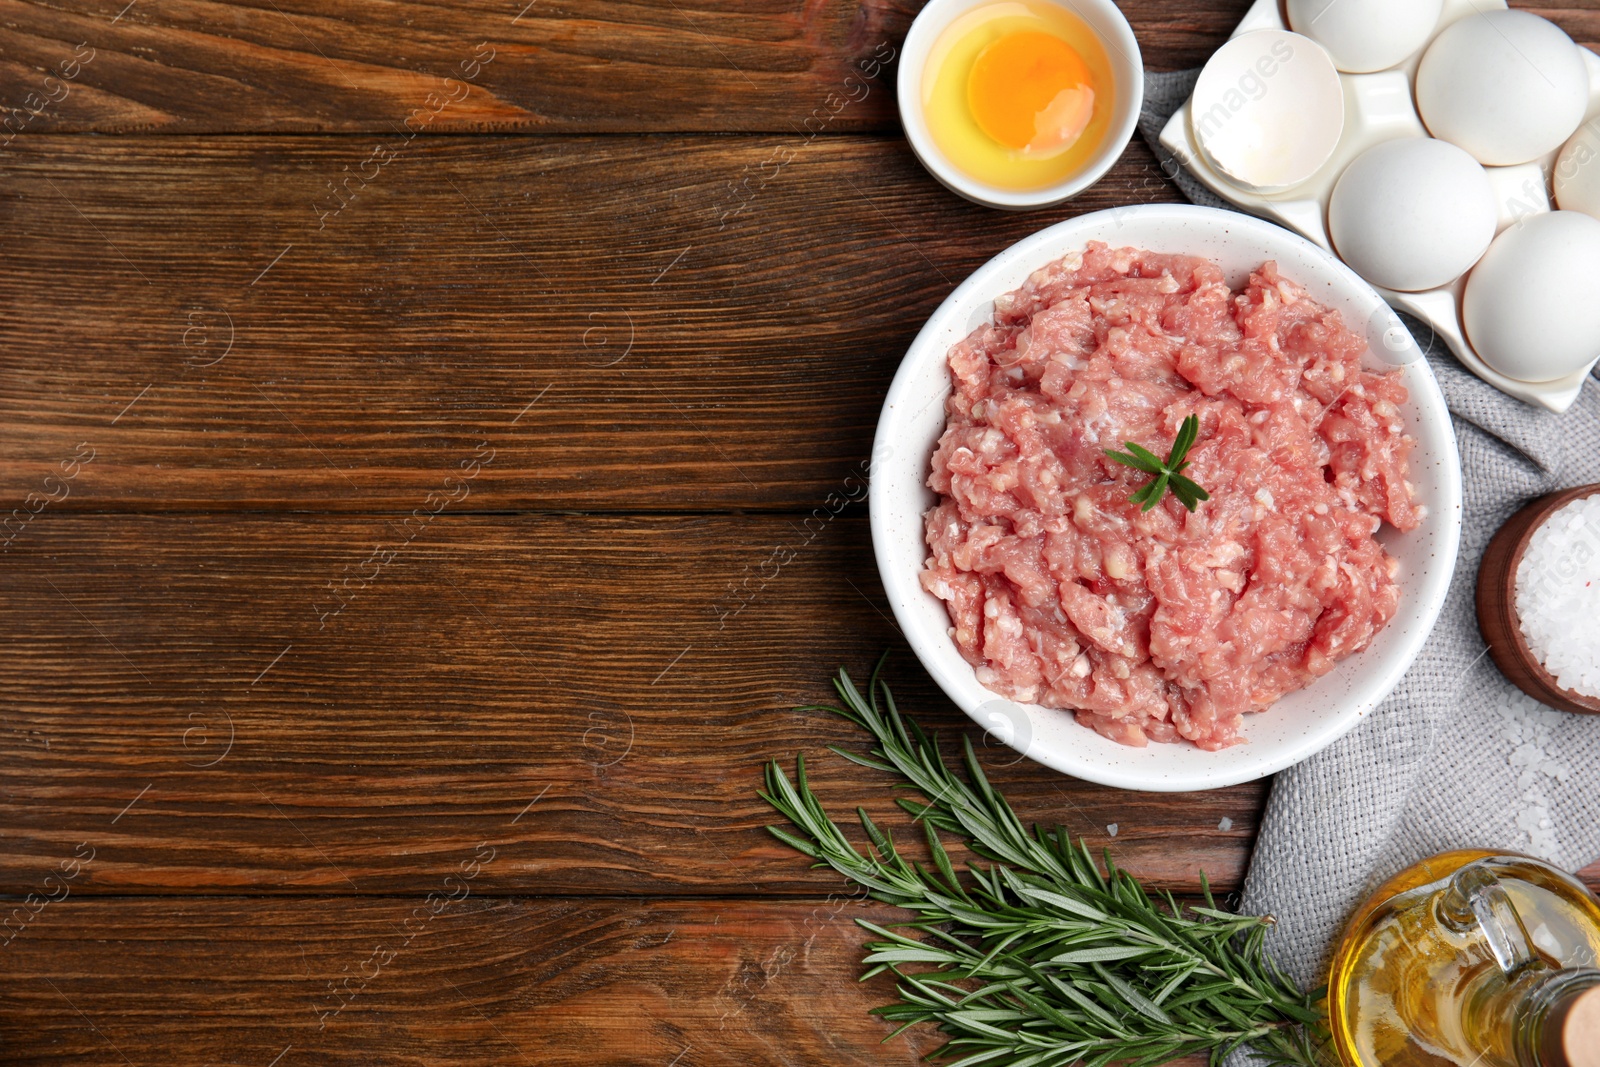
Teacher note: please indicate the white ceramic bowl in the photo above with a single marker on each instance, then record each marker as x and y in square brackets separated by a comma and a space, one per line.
[1298, 725]
[1127, 68]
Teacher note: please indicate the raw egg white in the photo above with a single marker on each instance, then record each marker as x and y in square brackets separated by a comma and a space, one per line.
[1508, 86]
[1532, 304]
[1412, 214]
[1365, 35]
[1018, 94]
[1577, 171]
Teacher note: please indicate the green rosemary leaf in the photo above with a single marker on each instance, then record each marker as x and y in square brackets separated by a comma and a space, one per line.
[1179, 482]
[1109, 1025]
[856, 757]
[1101, 955]
[1299, 1012]
[1155, 491]
[1038, 957]
[1136, 1000]
[1059, 900]
[1166, 473]
[980, 1057]
[1215, 912]
[804, 847]
[1148, 466]
[907, 955]
[1182, 443]
[1149, 458]
[1184, 972]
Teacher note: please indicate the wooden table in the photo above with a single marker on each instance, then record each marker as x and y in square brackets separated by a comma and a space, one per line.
[434, 438]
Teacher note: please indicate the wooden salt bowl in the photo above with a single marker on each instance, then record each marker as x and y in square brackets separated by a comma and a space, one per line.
[1497, 605]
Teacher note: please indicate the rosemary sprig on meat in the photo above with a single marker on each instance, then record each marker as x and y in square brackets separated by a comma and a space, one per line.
[1168, 473]
[1037, 958]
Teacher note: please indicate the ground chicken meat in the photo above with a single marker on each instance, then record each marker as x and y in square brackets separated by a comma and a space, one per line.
[1164, 625]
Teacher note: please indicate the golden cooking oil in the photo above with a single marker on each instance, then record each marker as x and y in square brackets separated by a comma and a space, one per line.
[1470, 959]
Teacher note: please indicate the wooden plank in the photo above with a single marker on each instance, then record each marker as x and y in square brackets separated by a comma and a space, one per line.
[572, 65]
[1580, 20]
[593, 695]
[484, 980]
[548, 983]
[627, 323]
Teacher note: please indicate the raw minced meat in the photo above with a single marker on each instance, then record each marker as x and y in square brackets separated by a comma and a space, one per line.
[1165, 625]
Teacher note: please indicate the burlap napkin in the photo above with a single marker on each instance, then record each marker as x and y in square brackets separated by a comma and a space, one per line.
[1457, 757]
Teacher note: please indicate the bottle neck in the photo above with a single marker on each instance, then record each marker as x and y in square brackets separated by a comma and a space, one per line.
[1558, 1023]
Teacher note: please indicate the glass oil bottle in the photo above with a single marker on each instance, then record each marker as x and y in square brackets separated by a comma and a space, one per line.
[1470, 959]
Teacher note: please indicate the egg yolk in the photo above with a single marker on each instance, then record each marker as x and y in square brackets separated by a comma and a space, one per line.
[1031, 91]
[1018, 94]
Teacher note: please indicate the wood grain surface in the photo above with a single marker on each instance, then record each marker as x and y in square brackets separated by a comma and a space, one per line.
[631, 328]
[468, 981]
[529, 66]
[657, 66]
[477, 981]
[431, 441]
[597, 694]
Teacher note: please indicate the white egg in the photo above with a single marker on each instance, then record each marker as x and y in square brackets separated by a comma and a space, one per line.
[1508, 86]
[1532, 305]
[1365, 35]
[1577, 171]
[1412, 214]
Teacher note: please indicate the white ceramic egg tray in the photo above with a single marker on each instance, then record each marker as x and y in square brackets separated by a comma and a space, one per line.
[1380, 107]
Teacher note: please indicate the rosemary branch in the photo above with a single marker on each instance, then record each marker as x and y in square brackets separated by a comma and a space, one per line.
[1038, 959]
[1166, 474]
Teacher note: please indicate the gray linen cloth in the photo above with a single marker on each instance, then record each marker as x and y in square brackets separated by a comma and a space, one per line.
[1456, 757]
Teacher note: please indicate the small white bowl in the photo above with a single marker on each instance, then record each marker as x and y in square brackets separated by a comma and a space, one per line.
[1127, 68]
[1301, 723]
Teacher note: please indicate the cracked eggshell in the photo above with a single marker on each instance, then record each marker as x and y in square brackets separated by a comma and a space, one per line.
[1268, 109]
[1508, 86]
[1412, 214]
[1532, 304]
[1366, 35]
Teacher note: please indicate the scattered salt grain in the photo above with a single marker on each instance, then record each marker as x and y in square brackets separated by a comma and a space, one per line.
[1225, 824]
[1558, 595]
[1111, 828]
[1529, 730]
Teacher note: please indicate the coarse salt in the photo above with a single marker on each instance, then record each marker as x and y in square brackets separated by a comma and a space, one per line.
[1558, 595]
